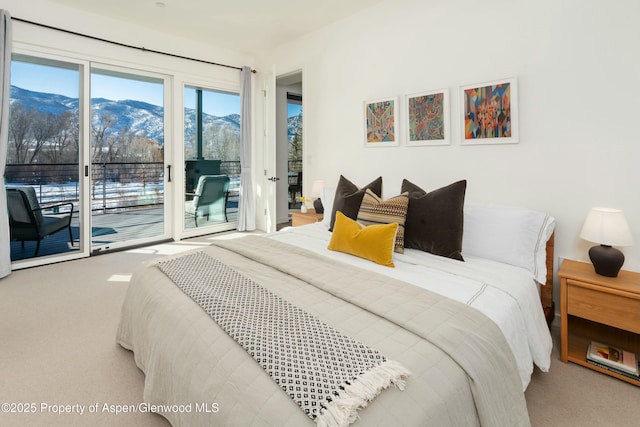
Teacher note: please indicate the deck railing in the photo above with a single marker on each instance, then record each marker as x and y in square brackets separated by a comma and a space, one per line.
[114, 186]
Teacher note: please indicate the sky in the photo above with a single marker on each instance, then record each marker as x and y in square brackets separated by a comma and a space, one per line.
[64, 81]
[293, 110]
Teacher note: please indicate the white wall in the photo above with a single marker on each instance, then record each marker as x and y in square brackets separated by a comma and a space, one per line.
[578, 70]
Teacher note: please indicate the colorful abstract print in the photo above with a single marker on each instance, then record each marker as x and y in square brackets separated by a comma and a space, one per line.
[380, 122]
[426, 117]
[487, 112]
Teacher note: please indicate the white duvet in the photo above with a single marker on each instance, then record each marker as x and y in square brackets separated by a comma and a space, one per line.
[504, 293]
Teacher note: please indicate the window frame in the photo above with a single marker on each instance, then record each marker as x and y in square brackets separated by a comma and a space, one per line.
[179, 91]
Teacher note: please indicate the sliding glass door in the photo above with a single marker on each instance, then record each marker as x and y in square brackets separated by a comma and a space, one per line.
[127, 180]
[86, 146]
[44, 156]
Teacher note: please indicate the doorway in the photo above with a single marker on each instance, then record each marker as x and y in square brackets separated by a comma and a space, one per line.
[289, 146]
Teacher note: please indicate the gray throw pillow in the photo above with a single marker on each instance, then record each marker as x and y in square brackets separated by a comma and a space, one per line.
[349, 197]
[435, 220]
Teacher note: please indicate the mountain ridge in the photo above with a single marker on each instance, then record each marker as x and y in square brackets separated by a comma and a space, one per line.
[141, 118]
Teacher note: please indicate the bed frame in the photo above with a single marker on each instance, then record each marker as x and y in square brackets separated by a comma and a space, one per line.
[546, 293]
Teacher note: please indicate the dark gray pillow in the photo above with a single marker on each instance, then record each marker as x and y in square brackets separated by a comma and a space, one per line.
[349, 197]
[435, 220]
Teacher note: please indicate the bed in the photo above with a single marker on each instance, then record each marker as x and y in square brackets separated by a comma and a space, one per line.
[467, 334]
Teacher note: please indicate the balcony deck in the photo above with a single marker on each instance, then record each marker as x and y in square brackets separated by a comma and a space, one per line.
[110, 228]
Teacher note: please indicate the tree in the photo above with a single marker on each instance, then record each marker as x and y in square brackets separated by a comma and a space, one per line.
[221, 142]
[44, 127]
[20, 120]
[295, 146]
[102, 122]
[64, 140]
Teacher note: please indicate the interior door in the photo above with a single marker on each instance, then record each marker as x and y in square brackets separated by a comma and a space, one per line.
[268, 179]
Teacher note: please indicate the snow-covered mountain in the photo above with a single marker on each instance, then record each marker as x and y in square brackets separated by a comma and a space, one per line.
[141, 118]
[292, 126]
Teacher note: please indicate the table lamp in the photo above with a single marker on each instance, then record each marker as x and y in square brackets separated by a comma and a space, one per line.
[316, 189]
[607, 227]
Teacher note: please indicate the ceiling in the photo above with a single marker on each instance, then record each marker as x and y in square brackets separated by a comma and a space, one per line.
[248, 26]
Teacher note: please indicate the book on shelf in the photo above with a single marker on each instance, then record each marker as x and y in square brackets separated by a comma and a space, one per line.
[617, 371]
[617, 359]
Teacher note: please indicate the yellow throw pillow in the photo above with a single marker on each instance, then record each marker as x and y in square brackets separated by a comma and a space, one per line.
[374, 242]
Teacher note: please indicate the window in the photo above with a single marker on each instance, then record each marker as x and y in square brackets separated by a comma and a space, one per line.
[44, 143]
[294, 138]
[44, 113]
[211, 147]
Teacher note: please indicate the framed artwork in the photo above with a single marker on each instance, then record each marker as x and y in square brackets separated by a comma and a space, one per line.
[427, 120]
[381, 122]
[490, 112]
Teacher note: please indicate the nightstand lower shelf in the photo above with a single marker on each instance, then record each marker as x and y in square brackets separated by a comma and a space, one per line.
[584, 331]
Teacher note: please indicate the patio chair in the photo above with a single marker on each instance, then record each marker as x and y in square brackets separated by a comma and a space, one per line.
[27, 221]
[210, 198]
[295, 187]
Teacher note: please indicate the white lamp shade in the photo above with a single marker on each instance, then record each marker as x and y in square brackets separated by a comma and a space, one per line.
[607, 227]
[316, 188]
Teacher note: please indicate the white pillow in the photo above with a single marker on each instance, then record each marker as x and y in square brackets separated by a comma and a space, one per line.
[512, 235]
[327, 194]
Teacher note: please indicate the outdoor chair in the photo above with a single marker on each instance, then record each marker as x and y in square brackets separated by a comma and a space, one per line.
[210, 198]
[27, 222]
[295, 187]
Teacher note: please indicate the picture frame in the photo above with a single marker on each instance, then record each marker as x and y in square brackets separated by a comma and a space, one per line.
[427, 118]
[489, 112]
[381, 122]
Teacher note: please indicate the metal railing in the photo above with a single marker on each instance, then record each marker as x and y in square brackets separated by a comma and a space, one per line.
[294, 165]
[114, 186]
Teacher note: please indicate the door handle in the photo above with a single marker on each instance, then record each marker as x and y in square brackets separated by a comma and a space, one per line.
[274, 179]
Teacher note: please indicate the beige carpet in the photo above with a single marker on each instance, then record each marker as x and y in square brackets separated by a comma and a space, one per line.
[57, 348]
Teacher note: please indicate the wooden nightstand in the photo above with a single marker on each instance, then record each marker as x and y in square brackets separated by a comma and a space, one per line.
[598, 308]
[299, 218]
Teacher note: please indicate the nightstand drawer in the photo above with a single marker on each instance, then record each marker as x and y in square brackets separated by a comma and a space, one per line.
[607, 308]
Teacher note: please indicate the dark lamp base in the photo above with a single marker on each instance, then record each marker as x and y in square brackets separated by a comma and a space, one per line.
[606, 260]
[317, 205]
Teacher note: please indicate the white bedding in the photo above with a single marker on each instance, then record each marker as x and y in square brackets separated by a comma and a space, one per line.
[462, 372]
[505, 293]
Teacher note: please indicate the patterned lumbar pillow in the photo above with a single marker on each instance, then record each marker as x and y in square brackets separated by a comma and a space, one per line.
[374, 210]
[375, 242]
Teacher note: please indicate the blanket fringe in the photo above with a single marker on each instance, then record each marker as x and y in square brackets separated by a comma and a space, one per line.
[343, 409]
